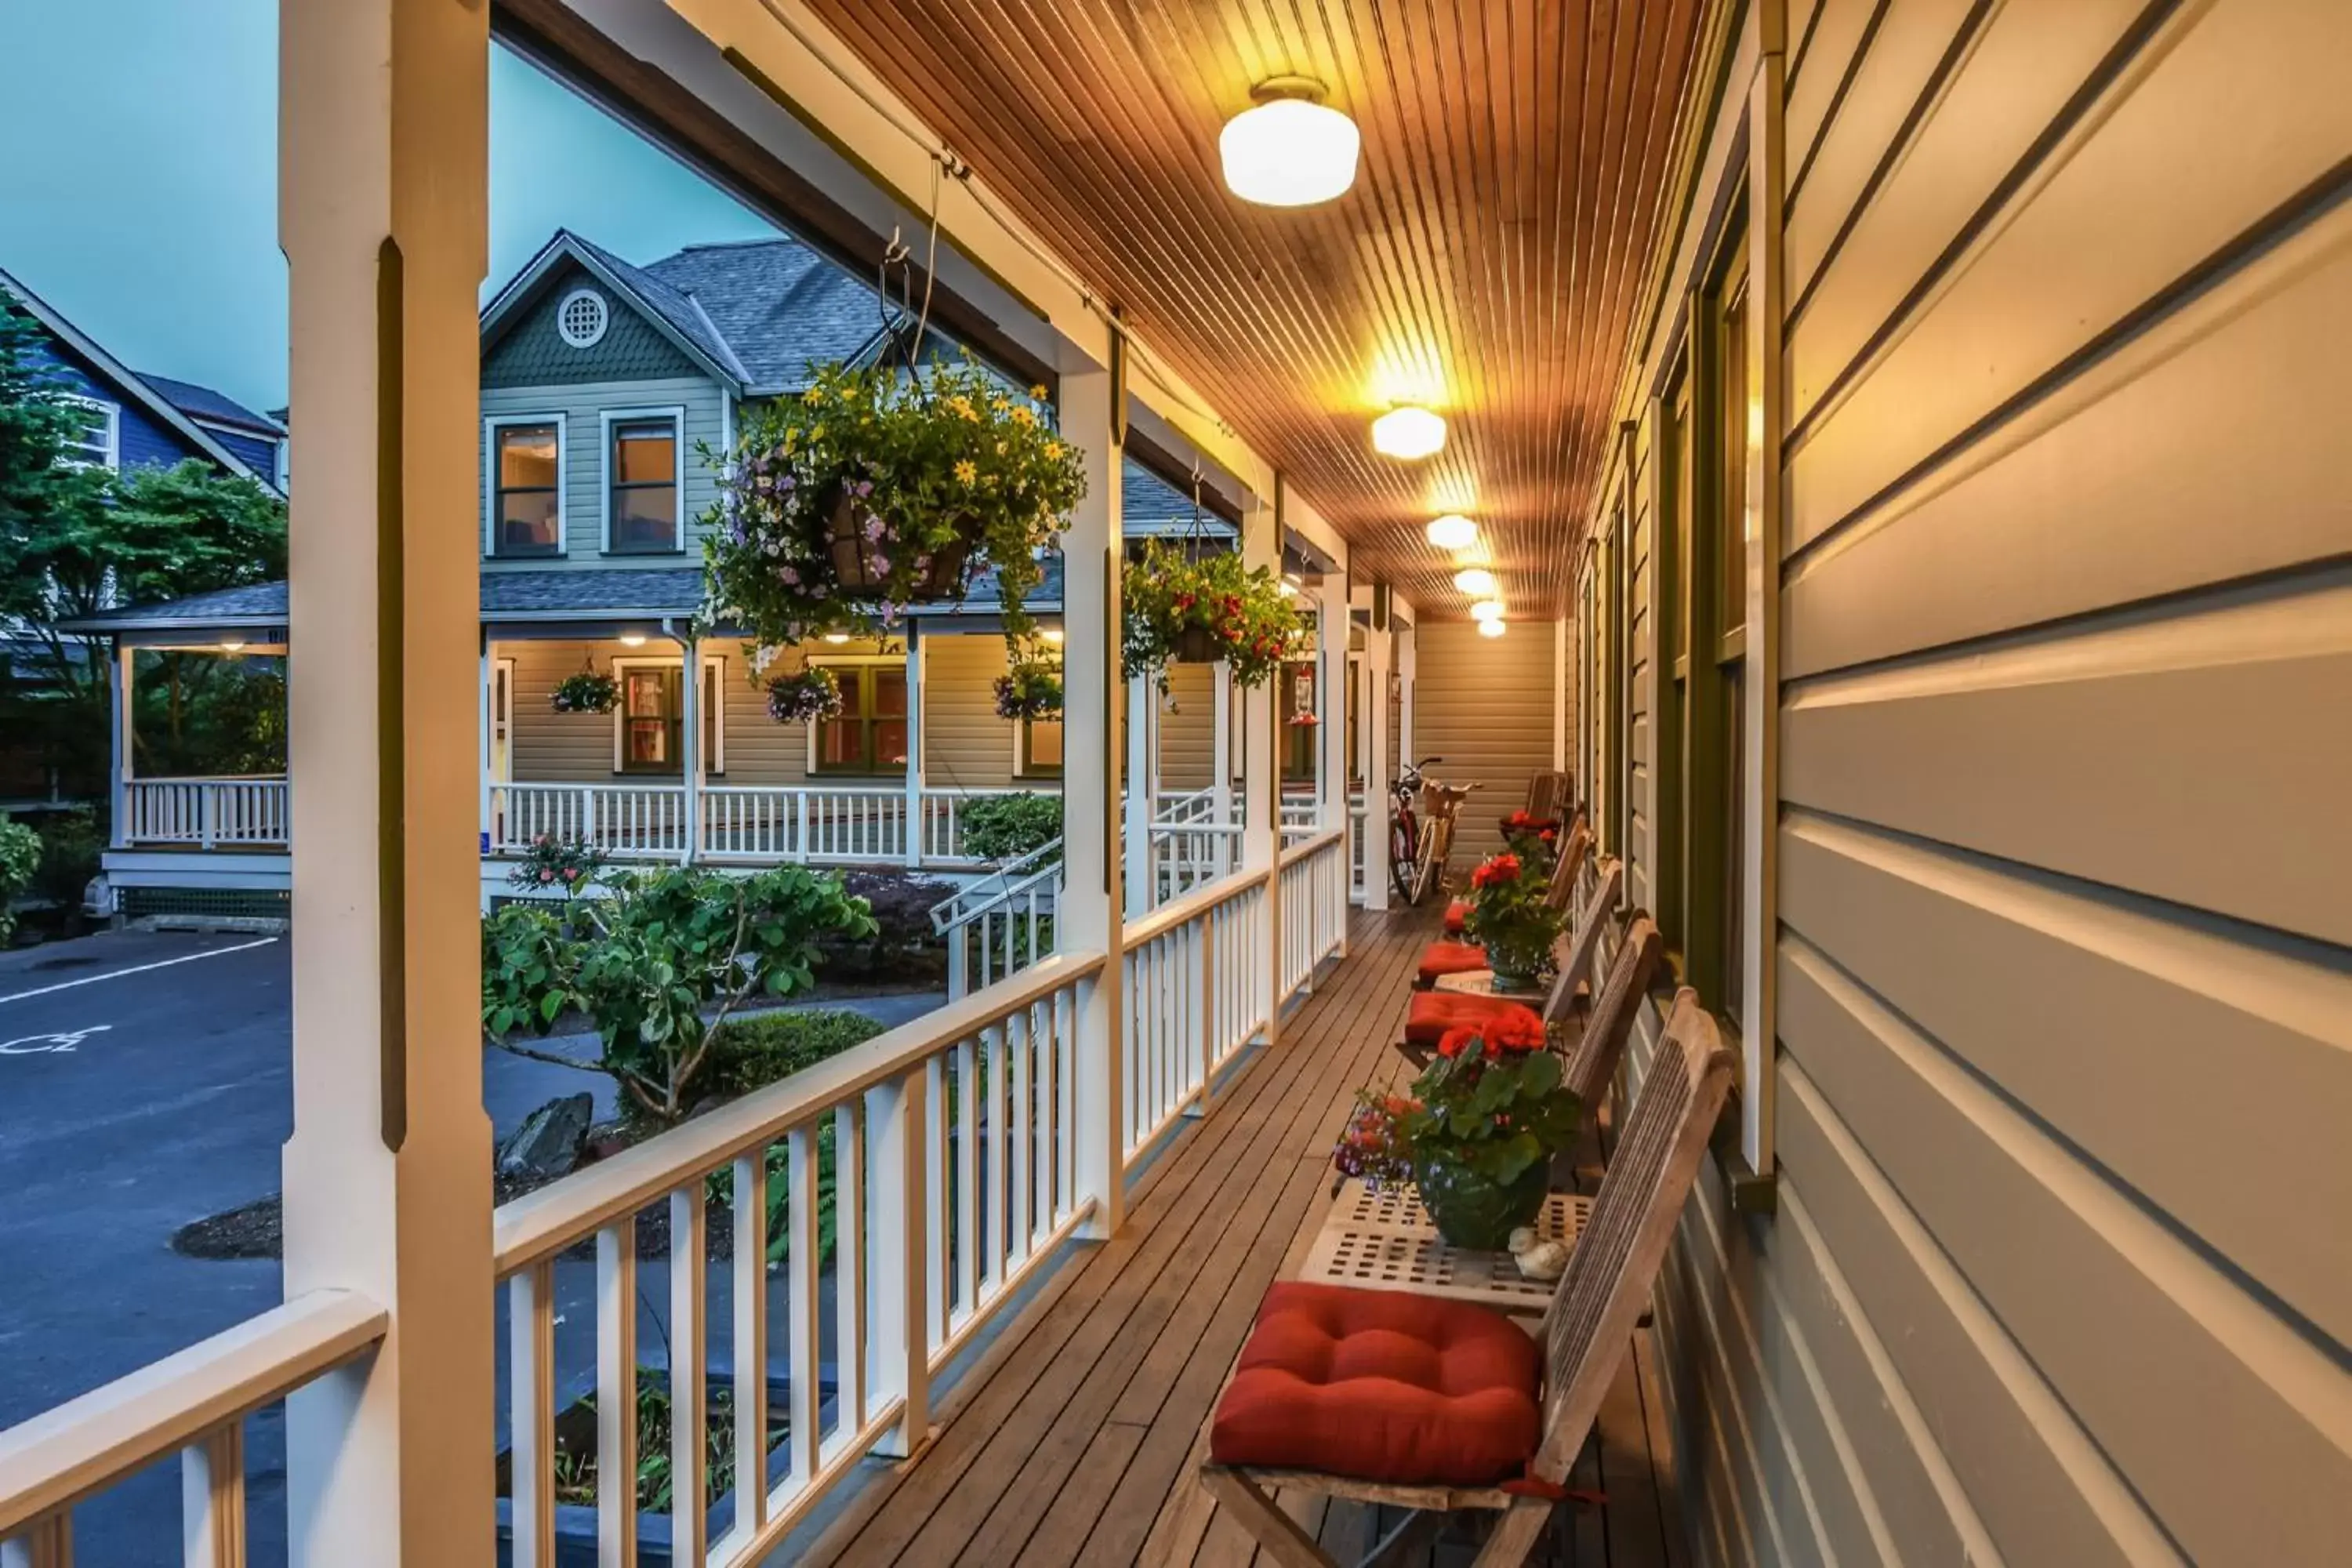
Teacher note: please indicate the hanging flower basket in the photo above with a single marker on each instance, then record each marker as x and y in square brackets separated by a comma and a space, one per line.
[1204, 607]
[805, 697]
[1032, 689]
[586, 692]
[873, 491]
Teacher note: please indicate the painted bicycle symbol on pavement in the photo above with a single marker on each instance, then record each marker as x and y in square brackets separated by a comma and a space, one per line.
[49, 1045]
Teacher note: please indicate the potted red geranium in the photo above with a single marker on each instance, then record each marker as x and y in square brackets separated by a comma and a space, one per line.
[1512, 918]
[1476, 1136]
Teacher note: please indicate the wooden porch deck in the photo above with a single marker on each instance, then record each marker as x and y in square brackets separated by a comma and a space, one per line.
[1075, 1438]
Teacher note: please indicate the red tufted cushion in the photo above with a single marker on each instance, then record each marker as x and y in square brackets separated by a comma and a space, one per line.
[1434, 1012]
[1449, 958]
[1381, 1386]
[1458, 914]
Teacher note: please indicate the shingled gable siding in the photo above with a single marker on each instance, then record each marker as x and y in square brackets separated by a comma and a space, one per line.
[532, 353]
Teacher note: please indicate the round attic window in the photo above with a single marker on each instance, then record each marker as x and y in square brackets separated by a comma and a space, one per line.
[581, 318]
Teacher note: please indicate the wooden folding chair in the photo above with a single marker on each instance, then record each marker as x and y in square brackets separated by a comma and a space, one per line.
[1575, 968]
[1585, 1334]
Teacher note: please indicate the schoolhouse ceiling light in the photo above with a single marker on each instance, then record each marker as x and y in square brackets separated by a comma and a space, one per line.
[1289, 149]
[1490, 628]
[1486, 610]
[1453, 531]
[1408, 431]
[1477, 582]
[632, 639]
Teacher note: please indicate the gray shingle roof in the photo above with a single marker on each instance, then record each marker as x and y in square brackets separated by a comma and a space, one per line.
[204, 403]
[777, 304]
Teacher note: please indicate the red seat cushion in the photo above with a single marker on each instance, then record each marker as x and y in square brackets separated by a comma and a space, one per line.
[1456, 914]
[1383, 1385]
[1449, 958]
[1434, 1012]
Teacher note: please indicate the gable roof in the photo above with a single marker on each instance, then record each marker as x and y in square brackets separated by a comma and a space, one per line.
[753, 314]
[213, 407]
[133, 385]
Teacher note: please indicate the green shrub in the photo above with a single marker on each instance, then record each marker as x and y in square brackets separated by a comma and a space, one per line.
[71, 843]
[1007, 827]
[753, 1051]
[904, 945]
[20, 857]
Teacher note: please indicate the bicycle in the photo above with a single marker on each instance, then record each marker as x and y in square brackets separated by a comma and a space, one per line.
[1420, 833]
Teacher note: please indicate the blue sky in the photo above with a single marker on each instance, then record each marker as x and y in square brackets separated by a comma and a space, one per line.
[138, 181]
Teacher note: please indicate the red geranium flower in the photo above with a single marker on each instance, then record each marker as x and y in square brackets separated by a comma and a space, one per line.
[1518, 1030]
[1500, 869]
[1456, 1041]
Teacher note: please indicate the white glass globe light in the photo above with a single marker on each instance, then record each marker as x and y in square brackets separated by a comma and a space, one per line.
[1477, 582]
[1490, 628]
[1408, 432]
[1289, 149]
[1486, 610]
[1453, 531]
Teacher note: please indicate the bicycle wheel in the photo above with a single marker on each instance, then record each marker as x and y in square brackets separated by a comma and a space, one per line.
[1425, 867]
[1404, 853]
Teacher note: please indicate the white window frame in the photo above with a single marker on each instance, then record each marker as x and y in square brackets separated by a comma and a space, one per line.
[852, 661]
[491, 424]
[714, 671]
[603, 319]
[113, 413]
[605, 420]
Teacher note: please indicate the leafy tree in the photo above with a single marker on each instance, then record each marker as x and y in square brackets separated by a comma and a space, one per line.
[20, 856]
[646, 962]
[75, 540]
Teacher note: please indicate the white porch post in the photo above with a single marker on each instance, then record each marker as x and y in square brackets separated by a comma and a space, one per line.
[1380, 653]
[1221, 760]
[1261, 765]
[1089, 918]
[1559, 694]
[914, 746]
[1335, 627]
[1407, 660]
[119, 742]
[1140, 798]
[690, 749]
[383, 117]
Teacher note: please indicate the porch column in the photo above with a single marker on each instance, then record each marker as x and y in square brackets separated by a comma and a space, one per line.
[915, 824]
[1335, 629]
[1088, 918]
[1408, 655]
[1559, 694]
[1221, 759]
[1140, 799]
[1380, 655]
[119, 742]
[383, 117]
[1262, 766]
[689, 750]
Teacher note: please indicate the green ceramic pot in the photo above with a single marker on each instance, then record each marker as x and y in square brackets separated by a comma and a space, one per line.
[1470, 1210]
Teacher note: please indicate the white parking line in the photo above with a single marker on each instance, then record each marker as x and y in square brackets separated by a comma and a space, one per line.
[140, 968]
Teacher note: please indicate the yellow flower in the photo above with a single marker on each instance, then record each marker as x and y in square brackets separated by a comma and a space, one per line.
[1000, 449]
[965, 471]
[999, 404]
[815, 394]
[1054, 450]
[1025, 416]
[1038, 392]
[817, 432]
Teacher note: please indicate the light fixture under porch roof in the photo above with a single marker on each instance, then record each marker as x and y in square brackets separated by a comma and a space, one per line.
[1289, 149]
[1486, 610]
[1493, 629]
[1453, 531]
[1475, 580]
[1409, 432]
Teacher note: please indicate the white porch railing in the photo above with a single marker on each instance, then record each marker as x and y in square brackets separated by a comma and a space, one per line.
[821, 824]
[192, 1403]
[1358, 817]
[946, 1152]
[209, 814]
[1314, 906]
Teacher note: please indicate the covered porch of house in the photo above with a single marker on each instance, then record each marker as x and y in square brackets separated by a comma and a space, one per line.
[1040, 1210]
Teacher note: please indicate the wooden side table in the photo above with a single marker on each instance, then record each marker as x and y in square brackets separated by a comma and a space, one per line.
[1386, 1241]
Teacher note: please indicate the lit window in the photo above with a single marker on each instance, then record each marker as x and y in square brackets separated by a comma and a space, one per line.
[869, 734]
[527, 515]
[643, 469]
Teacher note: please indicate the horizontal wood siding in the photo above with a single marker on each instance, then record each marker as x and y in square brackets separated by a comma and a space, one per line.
[1188, 730]
[2059, 1270]
[1484, 704]
[965, 744]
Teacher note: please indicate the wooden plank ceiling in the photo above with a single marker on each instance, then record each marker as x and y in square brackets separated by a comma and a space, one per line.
[1487, 261]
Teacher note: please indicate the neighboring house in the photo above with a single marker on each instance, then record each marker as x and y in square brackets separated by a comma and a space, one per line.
[136, 418]
[605, 385]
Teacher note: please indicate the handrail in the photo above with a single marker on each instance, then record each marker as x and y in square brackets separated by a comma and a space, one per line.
[542, 1223]
[1191, 906]
[62, 1455]
[1294, 853]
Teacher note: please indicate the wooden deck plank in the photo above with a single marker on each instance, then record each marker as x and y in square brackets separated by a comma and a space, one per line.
[1076, 1438]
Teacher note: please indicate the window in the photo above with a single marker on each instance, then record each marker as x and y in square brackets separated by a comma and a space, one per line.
[1707, 425]
[1040, 748]
[642, 476]
[99, 446]
[649, 724]
[582, 318]
[526, 497]
[869, 734]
